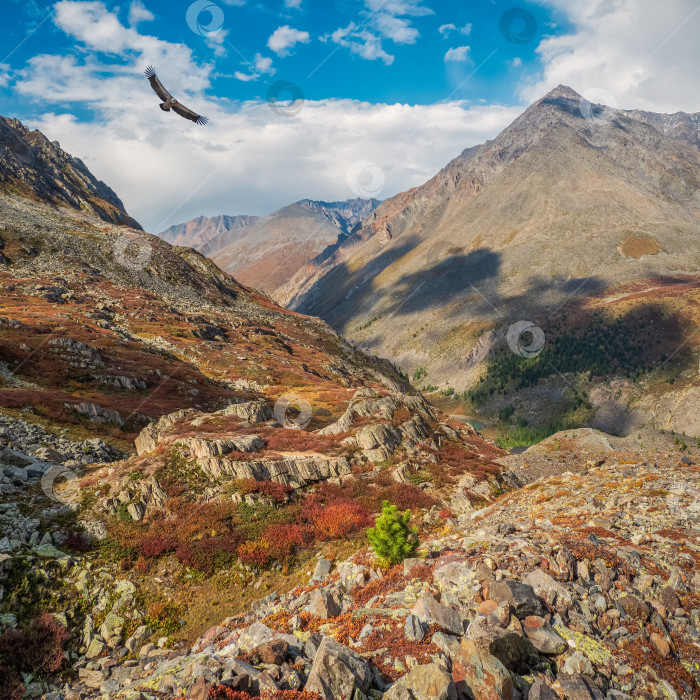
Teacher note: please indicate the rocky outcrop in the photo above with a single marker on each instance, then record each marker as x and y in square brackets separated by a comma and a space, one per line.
[203, 449]
[366, 403]
[96, 413]
[296, 472]
[148, 439]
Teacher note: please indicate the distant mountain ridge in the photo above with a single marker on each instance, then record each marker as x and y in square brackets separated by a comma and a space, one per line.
[569, 203]
[682, 126]
[207, 234]
[265, 252]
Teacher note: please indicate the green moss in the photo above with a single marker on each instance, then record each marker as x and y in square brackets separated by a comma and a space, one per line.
[597, 653]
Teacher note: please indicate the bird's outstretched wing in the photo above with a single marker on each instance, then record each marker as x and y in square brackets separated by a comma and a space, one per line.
[156, 84]
[183, 111]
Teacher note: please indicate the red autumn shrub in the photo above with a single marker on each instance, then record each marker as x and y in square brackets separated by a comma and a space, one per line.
[11, 686]
[284, 541]
[142, 565]
[457, 459]
[299, 441]
[12, 646]
[46, 639]
[77, 542]
[39, 650]
[254, 553]
[335, 519]
[408, 496]
[210, 553]
[156, 546]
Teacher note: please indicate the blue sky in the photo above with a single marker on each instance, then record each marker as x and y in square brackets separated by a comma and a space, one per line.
[392, 89]
[410, 40]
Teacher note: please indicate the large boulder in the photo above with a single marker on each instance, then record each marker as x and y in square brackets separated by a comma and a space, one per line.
[514, 651]
[543, 637]
[520, 596]
[459, 578]
[323, 604]
[429, 611]
[337, 671]
[577, 688]
[477, 674]
[258, 633]
[429, 682]
[548, 588]
[539, 691]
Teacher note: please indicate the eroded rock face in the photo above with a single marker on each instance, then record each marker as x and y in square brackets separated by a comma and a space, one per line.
[519, 595]
[29, 158]
[296, 472]
[147, 440]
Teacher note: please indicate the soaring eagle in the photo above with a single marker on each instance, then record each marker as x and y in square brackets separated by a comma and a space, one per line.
[169, 101]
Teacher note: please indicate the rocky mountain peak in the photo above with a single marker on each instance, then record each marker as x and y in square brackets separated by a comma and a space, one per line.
[33, 166]
[561, 91]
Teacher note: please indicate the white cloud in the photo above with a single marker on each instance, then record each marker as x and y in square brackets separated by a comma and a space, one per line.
[4, 75]
[285, 38]
[253, 161]
[262, 65]
[246, 77]
[361, 42]
[216, 40]
[457, 54]
[644, 53]
[293, 4]
[447, 29]
[414, 8]
[398, 29]
[138, 12]
[381, 19]
[517, 62]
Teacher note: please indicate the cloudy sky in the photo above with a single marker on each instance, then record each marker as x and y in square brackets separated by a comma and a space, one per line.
[325, 99]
